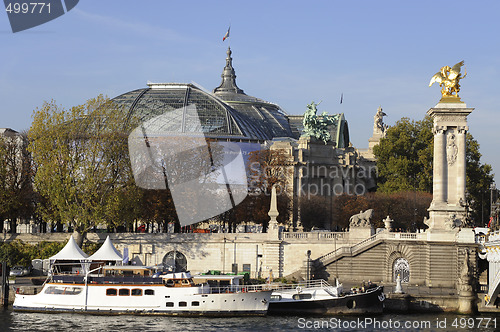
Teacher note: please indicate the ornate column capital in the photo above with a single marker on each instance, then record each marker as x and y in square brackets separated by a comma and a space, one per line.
[462, 129]
[439, 129]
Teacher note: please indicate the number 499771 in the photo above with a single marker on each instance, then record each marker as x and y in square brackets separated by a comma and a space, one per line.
[28, 7]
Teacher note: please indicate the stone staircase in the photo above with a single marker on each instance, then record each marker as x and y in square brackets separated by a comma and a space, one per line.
[273, 259]
[339, 253]
[347, 251]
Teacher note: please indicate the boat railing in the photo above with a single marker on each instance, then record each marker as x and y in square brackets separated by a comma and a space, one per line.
[96, 279]
[319, 283]
[205, 289]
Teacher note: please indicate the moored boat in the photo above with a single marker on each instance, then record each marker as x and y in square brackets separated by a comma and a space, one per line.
[136, 290]
[317, 297]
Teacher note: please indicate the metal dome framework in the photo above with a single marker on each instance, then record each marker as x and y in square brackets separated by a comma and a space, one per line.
[225, 114]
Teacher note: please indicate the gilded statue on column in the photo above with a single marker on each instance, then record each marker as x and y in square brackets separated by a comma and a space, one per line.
[448, 79]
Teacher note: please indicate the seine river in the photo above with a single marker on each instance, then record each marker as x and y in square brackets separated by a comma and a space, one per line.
[13, 321]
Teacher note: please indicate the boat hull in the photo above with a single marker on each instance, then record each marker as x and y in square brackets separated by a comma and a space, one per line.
[370, 302]
[182, 301]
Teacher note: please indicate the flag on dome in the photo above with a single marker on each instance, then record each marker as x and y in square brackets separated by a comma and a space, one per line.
[227, 34]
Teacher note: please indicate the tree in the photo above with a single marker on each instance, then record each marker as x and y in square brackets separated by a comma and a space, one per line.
[479, 181]
[158, 207]
[314, 212]
[82, 166]
[266, 168]
[404, 161]
[16, 190]
[407, 209]
[404, 157]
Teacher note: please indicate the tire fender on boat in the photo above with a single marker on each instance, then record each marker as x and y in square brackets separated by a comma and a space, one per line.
[298, 289]
[381, 297]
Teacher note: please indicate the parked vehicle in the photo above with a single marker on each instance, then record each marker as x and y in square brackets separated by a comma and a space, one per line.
[20, 271]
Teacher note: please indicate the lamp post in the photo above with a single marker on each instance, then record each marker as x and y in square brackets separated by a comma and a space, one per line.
[492, 188]
[87, 285]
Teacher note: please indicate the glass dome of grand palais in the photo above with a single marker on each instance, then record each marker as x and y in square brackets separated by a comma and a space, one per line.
[225, 114]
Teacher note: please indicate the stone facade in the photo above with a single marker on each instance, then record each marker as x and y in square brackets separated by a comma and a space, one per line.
[324, 170]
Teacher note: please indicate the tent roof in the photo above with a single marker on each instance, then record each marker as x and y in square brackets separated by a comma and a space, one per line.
[71, 251]
[107, 252]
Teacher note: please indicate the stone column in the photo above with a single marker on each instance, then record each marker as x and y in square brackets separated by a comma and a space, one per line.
[461, 142]
[446, 214]
[439, 166]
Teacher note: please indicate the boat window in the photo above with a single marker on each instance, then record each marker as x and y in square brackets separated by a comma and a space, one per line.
[136, 292]
[275, 297]
[195, 304]
[169, 304]
[303, 296]
[61, 290]
[183, 304]
[124, 292]
[111, 292]
[149, 292]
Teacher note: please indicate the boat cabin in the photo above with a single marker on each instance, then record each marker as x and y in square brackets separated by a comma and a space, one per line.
[126, 271]
[218, 280]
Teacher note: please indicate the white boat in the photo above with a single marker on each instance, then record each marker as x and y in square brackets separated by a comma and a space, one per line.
[318, 297]
[135, 290]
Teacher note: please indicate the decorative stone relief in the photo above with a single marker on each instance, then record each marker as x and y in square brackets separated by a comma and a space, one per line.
[452, 222]
[448, 118]
[451, 149]
[465, 279]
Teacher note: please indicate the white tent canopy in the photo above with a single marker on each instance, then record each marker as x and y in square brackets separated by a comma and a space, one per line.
[107, 252]
[70, 252]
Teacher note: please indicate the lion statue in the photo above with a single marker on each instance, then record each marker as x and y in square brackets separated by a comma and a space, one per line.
[362, 219]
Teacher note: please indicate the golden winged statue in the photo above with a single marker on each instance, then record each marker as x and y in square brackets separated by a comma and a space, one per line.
[448, 79]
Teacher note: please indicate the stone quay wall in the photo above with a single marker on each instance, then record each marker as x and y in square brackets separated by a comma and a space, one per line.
[356, 255]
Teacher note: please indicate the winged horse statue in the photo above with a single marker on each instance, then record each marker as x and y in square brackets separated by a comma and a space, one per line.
[448, 79]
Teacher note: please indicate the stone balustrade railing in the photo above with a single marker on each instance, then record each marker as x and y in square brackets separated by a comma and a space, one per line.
[313, 235]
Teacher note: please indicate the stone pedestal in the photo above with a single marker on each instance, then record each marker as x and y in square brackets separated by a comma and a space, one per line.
[447, 210]
[467, 302]
[357, 234]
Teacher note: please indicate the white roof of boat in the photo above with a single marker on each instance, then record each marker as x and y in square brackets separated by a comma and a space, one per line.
[70, 252]
[125, 267]
[107, 252]
[217, 277]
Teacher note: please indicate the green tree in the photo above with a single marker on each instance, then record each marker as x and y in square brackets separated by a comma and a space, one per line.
[404, 157]
[16, 190]
[404, 161]
[83, 171]
[479, 181]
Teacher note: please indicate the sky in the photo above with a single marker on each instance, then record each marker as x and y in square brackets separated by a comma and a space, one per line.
[374, 53]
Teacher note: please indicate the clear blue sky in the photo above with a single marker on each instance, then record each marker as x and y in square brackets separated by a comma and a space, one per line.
[287, 52]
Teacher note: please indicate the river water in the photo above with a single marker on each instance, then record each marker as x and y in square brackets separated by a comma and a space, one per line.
[14, 321]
